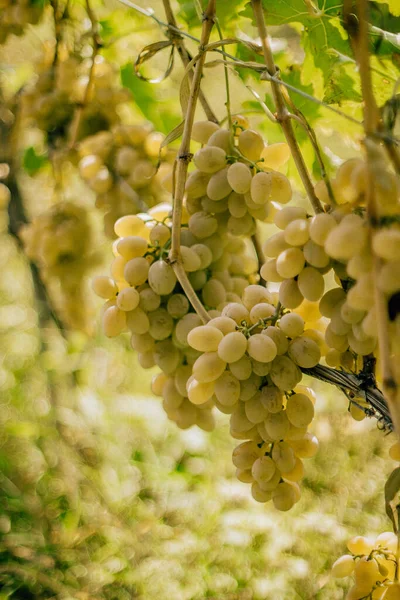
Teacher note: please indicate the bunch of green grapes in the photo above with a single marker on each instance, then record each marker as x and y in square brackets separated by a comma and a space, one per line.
[234, 182]
[15, 15]
[373, 565]
[59, 242]
[120, 166]
[51, 102]
[250, 369]
[143, 297]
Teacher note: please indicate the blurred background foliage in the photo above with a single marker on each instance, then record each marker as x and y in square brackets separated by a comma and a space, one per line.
[100, 496]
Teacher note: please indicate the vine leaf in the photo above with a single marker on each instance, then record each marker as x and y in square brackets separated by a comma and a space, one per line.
[33, 162]
[392, 487]
[227, 12]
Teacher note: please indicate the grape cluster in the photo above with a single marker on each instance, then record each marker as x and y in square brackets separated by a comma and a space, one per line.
[373, 564]
[120, 166]
[15, 15]
[248, 368]
[59, 242]
[144, 297]
[50, 103]
[234, 182]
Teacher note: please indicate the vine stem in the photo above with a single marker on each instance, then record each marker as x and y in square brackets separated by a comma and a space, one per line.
[282, 113]
[183, 160]
[185, 56]
[357, 27]
[97, 44]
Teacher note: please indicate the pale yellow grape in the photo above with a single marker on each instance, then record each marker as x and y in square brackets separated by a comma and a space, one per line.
[346, 241]
[137, 321]
[276, 425]
[125, 159]
[359, 264]
[161, 277]
[261, 311]
[261, 347]
[291, 324]
[104, 287]
[136, 271]
[166, 356]
[259, 494]
[89, 166]
[232, 347]
[239, 423]
[184, 326]
[190, 260]
[283, 456]
[5, 196]
[279, 338]
[218, 187]
[202, 224]
[213, 293]
[363, 347]
[205, 338]
[281, 190]
[315, 255]
[268, 271]
[289, 294]
[271, 484]
[129, 225]
[221, 139]
[330, 300]
[128, 299]
[307, 447]
[224, 324]
[300, 410]
[114, 321]
[171, 395]
[356, 412]
[350, 315]
[284, 373]
[255, 294]
[157, 383]
[287, 214]
[198, 279]
[209, 159]
[199, 393]
[275, 245]
[260, 188]
[242, 226]
[387, 540]
[242, 368]
[117, 268]
[338, 325]
[304, 352]
[149, 300]
[311, 284]
[161, 324]
[244, 475]
[245, 455]
[251, 144]
[392, 592]
[275, 155]
[360, 545]
[237, 312]
[263, 468]
[210, 206]
[204, 253]
[177, 306]
[359, 295]
[142, 342]
[284, 497]
[296, 473]
[389, 277]
[272, 398]
[236, 205]
[386, 244]
[344, 566]
[250, 386]
[186, 415]
[338, 342]
[202, 130]
[146, 360]
[290, 263]
[160, 234]
[102, 181]
[394, 451]
[227, 389]
[208, 367]
[255, 410]
[131, 247]
[196, 184]
[296, 232]
[239, 177]
[320, 227]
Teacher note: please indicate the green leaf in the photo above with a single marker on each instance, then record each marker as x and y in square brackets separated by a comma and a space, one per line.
[392, 5]
[147, 98]
[392, 487]
[227, 12]
[33, 162]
